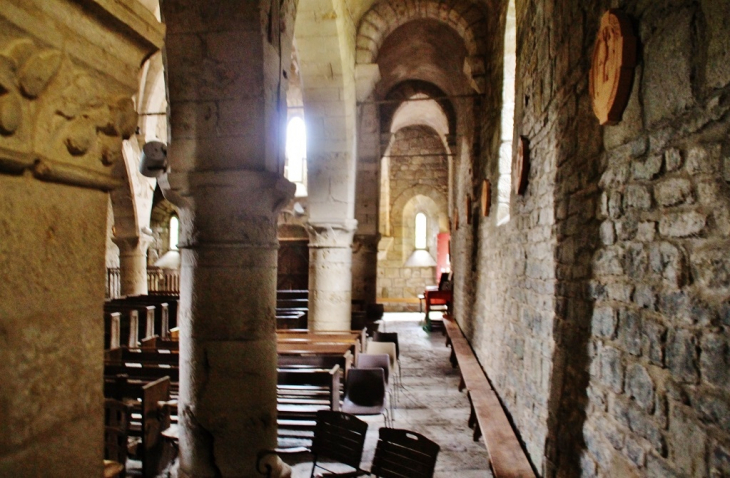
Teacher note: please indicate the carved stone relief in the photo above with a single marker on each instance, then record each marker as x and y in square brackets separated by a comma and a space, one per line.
[55, 121]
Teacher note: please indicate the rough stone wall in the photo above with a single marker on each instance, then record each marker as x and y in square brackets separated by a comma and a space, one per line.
[418, 183]
[601, 308]
[659, 393]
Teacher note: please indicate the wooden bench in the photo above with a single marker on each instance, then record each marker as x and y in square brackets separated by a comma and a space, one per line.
[506, 455]
[145, 316]
[113, 330]
[149, 414]
[152, 356]
[309, 386]
[164, 318]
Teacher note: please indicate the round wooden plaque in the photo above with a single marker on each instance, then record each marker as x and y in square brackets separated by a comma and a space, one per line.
[486, 197]
[612, 67]
[521, 166]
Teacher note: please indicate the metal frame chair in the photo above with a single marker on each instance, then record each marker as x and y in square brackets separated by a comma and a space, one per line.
[365, 393]
[403, 453]
[337, 435]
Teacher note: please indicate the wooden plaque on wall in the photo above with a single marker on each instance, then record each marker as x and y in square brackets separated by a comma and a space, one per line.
[521, 166]
[486, 197]
[468, 210]
[612, 66]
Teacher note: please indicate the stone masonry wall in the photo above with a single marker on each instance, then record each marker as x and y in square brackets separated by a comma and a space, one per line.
[601, 309]
[418, 183]
[659, 393]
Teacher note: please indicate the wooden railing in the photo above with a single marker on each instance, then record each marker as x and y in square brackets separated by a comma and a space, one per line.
[163, 281]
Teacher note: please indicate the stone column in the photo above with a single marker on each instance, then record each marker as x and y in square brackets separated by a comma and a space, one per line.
[227, 402]
[67, 75]
[133, 264]
[365, 267]
[330, 274]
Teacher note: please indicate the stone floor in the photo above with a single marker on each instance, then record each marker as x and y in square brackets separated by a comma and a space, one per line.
[430, 404]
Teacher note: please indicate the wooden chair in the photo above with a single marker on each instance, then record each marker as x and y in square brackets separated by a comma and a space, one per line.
[338, 436]
[116, 429]
[403, 453]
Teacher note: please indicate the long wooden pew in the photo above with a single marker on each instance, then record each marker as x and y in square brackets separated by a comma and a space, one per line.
[508, 459]
[166, 309]
[143, 356]
[145, 317]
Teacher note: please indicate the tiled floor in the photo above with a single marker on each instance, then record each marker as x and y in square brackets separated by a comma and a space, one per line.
[430, 404]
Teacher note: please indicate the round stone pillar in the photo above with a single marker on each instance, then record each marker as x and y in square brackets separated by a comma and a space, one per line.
[330, 275]
[227, 402]
[133, 265]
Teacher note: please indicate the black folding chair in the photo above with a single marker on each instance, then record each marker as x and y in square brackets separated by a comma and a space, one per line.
[338, 436]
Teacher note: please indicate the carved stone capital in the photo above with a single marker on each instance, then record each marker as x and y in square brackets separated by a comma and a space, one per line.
[65, 92]
[366, 243]
[219, 207]
[133, 245]
[331, 234]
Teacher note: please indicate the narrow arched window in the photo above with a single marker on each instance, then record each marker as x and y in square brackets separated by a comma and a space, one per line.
[174, 233]
[296, 154]
[421, 231]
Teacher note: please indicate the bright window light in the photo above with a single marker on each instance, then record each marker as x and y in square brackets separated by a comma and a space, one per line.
[296, 150]
[421, 239]
[174, 233]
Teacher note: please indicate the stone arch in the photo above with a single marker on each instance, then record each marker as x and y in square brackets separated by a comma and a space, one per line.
[401, 93]
[463, 16]
[406, 196]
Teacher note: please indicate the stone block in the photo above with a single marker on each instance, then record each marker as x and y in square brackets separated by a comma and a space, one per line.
[619, 291]
[703, 159]
[641, 423]
[682, 356]
[724, 312]
[608, 262]
[675, 305]
[647, 169]
[646, 231]
[672, 192]
[612, 369]
[715, 359]
[640, 387]
[712, 407]
[656, 467]
[667, 261]
[645, 297]
[711, 267]
[653, 339]
[636, 261]
[608, 233]
[635, 452]
[615, 209]
[627, 228]
[638, 197]
[604, 322]
[672, 159]
[719, 461]
[669, 50]
[629, 331]
[726, 168]
[682, 224]
[688, 443]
